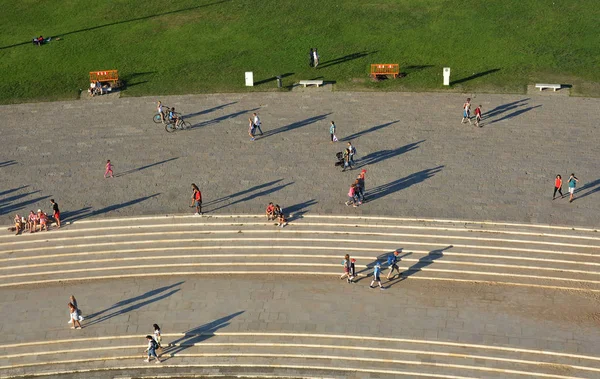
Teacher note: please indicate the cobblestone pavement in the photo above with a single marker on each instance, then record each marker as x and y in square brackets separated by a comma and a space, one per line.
[421, 161]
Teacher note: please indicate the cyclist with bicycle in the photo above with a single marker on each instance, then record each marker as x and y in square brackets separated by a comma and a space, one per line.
[173, 116]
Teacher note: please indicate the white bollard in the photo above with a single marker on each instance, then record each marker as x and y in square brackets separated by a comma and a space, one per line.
[249, 79]
[446, 76]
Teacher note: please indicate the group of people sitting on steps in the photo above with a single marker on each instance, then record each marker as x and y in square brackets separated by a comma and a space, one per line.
[274, 212]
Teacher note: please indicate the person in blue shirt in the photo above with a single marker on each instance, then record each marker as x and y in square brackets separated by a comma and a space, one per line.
[377, 276]
[572, 184]
[392, 262]
[173, 116]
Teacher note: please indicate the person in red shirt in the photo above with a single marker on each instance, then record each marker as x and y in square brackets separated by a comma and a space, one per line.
[478, 115]
[557, 187]
[196, 200]
[270, 212]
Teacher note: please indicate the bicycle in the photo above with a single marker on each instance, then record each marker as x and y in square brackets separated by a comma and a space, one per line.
[181, 124]
[158, 118]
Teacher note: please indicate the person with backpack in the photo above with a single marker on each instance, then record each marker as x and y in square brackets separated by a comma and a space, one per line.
[196, 200]
[152, 346]
[392, 262]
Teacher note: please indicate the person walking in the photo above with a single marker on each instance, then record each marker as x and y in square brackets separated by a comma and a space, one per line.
[361, 188]
[347, 160]
[478, 116]
[467, 111]
[55, 212]
[75, 316]
[109, 169]
[73, 301]
[332, 132]
[157, 336]
[392, 262]
[315, 57]
[352, 151]
[311, 58]
[377, 276]
[572, 184]
[346, 264]
[196, 200]
[351, 194]
[152, 346]
[352, 270]
[558, 187]
[257, 123]
[251, 129]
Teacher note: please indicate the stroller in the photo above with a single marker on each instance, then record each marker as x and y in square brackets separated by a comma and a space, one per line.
[340, 159]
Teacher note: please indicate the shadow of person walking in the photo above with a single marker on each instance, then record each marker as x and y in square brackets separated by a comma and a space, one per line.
[196, 335]
[402, 183]
[421, 264]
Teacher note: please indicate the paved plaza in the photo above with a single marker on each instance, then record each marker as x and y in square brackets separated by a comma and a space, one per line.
[504, 284]
[421, 161]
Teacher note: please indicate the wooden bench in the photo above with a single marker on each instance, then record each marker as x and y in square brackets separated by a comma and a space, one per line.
[313, 82]
[385, 69]
[553, 86]
[107, 76]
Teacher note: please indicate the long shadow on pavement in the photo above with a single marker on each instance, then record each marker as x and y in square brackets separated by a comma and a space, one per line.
[144, 167]
[264, 192]
[132, 304]
[382, 155]
[9, 204]
[7, 163]
[367, 131]
[423, 262]
[88, 212]
[223, 118]
[402, 183]
[514, 114]
[296, 211]
[504, 108]
[591, 188]
[209, 110]
[230, 197]
[295, 125]
[197, 335]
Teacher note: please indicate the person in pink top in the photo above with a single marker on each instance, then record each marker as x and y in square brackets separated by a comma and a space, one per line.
[351, 194]
[478, 116]
[109, 169]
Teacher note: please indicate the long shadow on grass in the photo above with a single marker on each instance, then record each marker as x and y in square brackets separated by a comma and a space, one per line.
[209, 110]
[382, 155]
[196, 335]
[273, 78]
[122, 22]
[402, 183]
[263, 192]
[223, 118]
[295, 125]
[515, 114]
[345, 58]
[144, 167]
[367, 131]
[475, 76]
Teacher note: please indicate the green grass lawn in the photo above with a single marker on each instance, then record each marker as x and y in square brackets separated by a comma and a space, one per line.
[195, 46]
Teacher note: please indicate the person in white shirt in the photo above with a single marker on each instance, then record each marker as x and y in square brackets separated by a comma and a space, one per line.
[257, 123]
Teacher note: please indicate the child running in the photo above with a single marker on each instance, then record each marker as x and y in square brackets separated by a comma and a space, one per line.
[109, 169]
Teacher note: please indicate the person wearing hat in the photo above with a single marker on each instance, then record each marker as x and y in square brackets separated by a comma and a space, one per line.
[393, 264]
